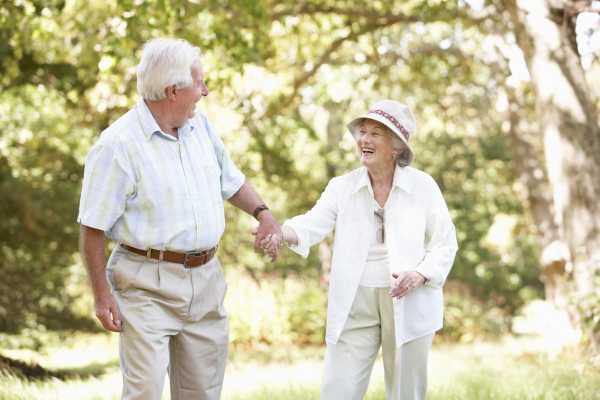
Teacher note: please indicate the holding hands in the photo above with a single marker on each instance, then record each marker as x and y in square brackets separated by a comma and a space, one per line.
[270, 245]
[268, 233]
[272, 242]
[406, 282]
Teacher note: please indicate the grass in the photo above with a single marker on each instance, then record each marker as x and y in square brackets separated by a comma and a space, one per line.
[511, 369]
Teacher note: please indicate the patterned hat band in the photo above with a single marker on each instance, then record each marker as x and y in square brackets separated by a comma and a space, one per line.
[392, 120]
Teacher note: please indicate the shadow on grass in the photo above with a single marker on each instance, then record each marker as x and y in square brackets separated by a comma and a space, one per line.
[92, 370]
[37, 372]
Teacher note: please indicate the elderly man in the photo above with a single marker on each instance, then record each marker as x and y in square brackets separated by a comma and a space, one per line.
[155, 182]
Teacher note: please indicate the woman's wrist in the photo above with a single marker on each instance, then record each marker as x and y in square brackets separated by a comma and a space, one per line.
[289, 235]
[420, 277]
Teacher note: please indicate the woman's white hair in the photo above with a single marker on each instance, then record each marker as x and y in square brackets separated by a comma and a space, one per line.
[397, 143]
[165, 62]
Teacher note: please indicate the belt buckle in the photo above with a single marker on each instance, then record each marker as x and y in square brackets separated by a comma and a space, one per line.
[197, 253]
[191, 253]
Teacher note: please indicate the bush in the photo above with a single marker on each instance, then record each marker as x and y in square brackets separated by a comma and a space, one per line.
[275, 310]
[467, 317]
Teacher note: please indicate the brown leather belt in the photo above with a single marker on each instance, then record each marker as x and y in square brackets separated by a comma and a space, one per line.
[191, 259]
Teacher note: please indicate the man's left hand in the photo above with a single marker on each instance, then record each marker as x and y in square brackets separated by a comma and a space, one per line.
[268, 226]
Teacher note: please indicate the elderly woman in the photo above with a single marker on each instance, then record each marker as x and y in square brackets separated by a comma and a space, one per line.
[394, 246]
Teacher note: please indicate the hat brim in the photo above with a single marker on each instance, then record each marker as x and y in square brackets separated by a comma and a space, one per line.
[354, 126]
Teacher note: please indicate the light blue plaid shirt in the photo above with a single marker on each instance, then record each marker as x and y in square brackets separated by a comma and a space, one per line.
[147, 189]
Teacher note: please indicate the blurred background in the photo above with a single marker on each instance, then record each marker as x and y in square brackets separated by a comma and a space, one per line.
[507, 113]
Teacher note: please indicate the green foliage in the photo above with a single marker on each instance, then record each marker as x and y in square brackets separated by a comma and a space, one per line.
[467, 317]
[275, 310]
[41, 172]
[589, 308]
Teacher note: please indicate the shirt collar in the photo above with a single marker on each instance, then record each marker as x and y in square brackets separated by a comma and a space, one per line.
[149, 124]
[400, 179]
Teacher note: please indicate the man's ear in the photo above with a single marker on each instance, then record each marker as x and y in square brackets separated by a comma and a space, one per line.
[172, 92]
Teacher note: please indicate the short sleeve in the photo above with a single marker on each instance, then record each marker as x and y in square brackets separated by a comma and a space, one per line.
[107, 184]
[232, 178]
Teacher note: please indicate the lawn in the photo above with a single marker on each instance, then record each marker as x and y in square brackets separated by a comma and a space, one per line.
[510, 369]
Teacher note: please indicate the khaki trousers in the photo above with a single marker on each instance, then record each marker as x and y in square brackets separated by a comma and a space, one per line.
[348, 363]
[173, 318]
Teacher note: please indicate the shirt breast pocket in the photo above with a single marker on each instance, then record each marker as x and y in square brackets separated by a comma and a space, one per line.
[213, 178]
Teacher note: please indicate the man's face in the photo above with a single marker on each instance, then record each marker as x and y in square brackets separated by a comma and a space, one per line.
[189, 96]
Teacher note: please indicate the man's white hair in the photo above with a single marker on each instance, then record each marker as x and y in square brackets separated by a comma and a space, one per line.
[165, 62]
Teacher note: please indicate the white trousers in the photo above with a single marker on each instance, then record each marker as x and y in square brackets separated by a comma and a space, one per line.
[173, 318]
[348, 363]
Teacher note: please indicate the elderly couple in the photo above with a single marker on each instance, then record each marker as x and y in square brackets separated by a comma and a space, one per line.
[155, 182]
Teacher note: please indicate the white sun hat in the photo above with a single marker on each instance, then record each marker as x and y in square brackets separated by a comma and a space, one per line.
[396, 116]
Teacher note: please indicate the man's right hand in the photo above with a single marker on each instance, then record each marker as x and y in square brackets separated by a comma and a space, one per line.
[92, 248]
[105, 306]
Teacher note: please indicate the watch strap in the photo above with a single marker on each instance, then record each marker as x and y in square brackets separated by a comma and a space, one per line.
[258, 210]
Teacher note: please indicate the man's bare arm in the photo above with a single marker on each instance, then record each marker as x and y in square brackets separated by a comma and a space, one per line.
[246, 199]
[91, 245]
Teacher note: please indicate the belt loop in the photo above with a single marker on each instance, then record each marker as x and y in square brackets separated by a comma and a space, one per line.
[160, 257]
[149, 253]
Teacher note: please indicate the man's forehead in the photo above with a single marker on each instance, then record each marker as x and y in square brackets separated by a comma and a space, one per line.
[198, 70]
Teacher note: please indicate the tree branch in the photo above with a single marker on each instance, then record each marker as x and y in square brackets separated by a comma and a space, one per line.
[433, 49]
[326, 57]
[485, 13]
[575, 8]
[313, 9]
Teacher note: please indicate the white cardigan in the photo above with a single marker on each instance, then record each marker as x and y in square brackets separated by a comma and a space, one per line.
[420, 237]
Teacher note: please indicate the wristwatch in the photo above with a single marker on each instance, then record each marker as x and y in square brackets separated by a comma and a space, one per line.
[258, 210]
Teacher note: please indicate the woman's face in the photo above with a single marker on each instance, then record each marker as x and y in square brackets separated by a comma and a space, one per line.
[374, 145]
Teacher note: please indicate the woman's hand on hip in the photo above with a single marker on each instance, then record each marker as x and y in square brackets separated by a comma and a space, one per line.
[406, 282]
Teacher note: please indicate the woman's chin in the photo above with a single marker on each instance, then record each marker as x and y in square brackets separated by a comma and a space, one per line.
[367, 161]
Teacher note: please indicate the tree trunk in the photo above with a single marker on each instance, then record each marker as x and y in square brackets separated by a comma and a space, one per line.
[335, 131]
[571, 135]
[531, 175]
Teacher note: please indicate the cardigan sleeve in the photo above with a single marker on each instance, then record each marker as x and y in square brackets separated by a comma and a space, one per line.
[441, 245]
[317, 223]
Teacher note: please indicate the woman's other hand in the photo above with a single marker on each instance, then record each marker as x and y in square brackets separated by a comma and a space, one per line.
[406, 282]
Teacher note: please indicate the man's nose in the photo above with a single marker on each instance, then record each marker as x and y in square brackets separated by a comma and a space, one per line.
[205, 91]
